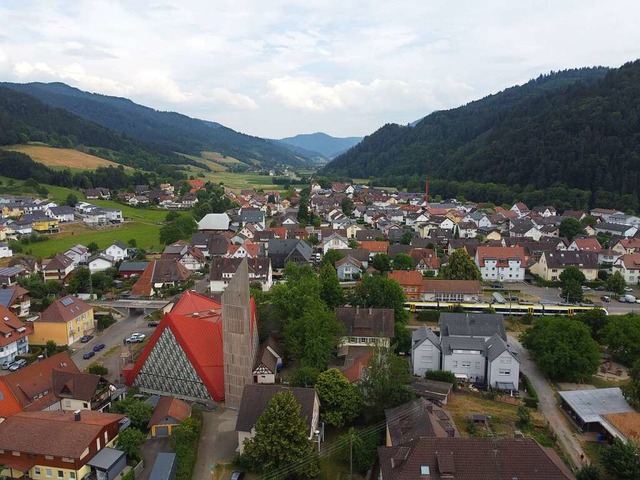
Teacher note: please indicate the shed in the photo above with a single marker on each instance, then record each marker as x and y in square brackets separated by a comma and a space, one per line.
[587, 407]
[167, 415]
[164, 467]
[108, 463]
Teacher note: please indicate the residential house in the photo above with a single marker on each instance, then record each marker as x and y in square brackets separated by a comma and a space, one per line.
[14, 335]
[167, 415]
[100, 262]
[97, 193]
[28, 264]
[627, 245]
[334, 241]
[438, 458]
[15, 299]
[410, 281]
[552, 264]
[81, 391]
[585, 244]
[375, 247]
[520, 209]
[45, 225]
[5, 251]
[349, 269]
[214, 222]
[283, 251]
[189, 257]
[41, 445]
[9, 275]
[425, 260]
[616, 229]
[255, 400]
[474, 348]
[416, 419]
[63, 214]
[253, 216]
[450, 291]
[425, 351]
[545, 211]
[118, 250]
[57, 268]
[223, 269]
[268, 361]
[79, 254]
[160, 274]
[629, 266]
[502, 264]
[65, 321]
[366, 326]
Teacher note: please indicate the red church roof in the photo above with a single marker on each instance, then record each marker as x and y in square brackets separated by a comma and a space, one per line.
[194, 303]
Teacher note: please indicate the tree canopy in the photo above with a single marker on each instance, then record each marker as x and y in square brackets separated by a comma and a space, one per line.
[562, 348]
[621, 460]
[460, 267]
[616, 283]
[570, 227]
[403, 262]
[281, 442]
[621, 335]
[178, 228]
[340, 401]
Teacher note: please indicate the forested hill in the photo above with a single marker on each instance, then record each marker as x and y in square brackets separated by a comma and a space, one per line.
[326, 145]
[169, 130]
[579, 128]
[26, 119]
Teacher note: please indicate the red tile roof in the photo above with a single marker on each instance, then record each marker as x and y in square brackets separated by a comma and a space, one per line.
[501, 254]
[360, 364]
[169, 407]
[10, 327]
[406, 278]
[375, 247]
[589, 243]
[9, 405]
[64, 309]
[191, 303]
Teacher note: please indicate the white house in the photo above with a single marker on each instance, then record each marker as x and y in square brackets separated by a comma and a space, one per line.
[425, 351]
[62, 214]
[5, 251]
[114, 215]
[335, 241]
[78, 254]
[268, 362]
[14, 336]
[504, 264]
[629, 266]
[348, 269]
[503, 367]
[100, 262]
[118, 250]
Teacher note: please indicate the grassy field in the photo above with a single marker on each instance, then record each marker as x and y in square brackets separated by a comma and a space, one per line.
[62, 157]
[219, 158]
[145, 234]
[216, 167]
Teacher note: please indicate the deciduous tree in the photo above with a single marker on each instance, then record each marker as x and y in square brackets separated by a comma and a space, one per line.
[281, 440]
[139, 412]
[129, 441]
[381, 262]
[570, 227]
[460, 266]
[403, 262]
[616, 283]
[340, 402]
[632, 389]
[331, 257]
[621, 460]
[622, 337]
[330, 290]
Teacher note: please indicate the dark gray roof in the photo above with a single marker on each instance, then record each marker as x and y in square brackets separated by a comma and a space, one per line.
[449, 344]
[62, 210]
[409, 421]
[368, 234]
[164, 467]
[133, 266]
[360, 254]
[431, 388]
[366, 322]
[106, 458]
[258, 266]
[566, 258]
[472, 325]
[252, 216]
[282, 251]
[423, 333]
[256, 398]
[495, 346]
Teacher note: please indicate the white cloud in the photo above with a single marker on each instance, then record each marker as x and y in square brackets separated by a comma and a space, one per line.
[234, 100]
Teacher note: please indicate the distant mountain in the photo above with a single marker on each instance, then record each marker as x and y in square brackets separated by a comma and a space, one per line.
[24, 118]
[321, 143]
[169, 130]
[575, 128]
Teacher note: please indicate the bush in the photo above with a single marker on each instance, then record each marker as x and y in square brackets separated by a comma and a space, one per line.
[98, 369]
[185, 443]
[531, 402]
[104, 321]
[429, 316]
[441, 376]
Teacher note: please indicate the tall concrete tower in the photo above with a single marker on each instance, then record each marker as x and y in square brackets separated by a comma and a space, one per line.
[239, 346]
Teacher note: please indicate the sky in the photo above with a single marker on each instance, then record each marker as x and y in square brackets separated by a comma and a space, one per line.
[276, 68]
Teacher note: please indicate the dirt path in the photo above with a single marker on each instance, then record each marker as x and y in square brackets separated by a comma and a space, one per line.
[548, 404]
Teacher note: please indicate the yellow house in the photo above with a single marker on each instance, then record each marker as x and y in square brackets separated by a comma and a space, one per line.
[46, 226]
[552, 264]
[65, 321]
[11, 210]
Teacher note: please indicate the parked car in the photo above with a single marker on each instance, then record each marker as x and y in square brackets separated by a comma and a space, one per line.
[153, 323]
[98, 347]
[585, 288]
[605, 298]
[17, 365]
[88, 355]
[86, 338]
[599, 289]
[237, 475]
[496, 285]
[136, 338]
[630, 299]
[6, 364]
[628, 289]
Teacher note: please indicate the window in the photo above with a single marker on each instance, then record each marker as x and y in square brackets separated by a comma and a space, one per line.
[455, 364]
[36, 471]
[60, 474]
[504, 371]
[427, 359]
[67, 403]
[49, 474]
[72, 475]
[505, 359]
[466, 363]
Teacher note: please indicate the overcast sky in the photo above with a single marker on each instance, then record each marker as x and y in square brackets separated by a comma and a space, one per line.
[276, 68]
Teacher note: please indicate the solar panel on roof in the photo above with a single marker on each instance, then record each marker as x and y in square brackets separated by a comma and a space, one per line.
[5, 296]
[66, 301]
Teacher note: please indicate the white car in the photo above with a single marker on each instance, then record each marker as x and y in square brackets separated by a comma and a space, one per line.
[628, 289]
[136, 338]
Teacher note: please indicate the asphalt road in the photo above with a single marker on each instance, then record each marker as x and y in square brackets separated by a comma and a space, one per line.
[548, 404]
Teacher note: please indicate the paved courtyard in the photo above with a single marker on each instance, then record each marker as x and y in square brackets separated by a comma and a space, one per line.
[218, 441]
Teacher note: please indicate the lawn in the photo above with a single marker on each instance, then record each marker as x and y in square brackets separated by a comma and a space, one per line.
[62, 157]
[219, 158]
[145, 234]
[240, 181]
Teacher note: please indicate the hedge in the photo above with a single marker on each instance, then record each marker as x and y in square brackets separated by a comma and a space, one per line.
[531, 400]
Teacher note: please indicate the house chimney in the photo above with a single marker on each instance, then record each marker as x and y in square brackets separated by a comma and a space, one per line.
[77, 416]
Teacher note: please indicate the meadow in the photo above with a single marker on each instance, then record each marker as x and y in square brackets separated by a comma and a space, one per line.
[62, 157]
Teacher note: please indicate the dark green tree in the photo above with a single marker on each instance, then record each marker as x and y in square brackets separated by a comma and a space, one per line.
[621, 335]
[563, 348]
[340, 401]
[180, 228]
[347, 206]
[460, 266]
[621, 460]
[71, 200]
[595, 319]
[305, 377]
[381, 262]
[570, 227]
[331, 257]
[632, 389]
[403, 262]
[387, 383]
[51, 348]
[376, 291]
[93, 247]
[402, 340]
[360, 448]
[281, 440]
[572, 279]
[98, 369]
[129, 441]
[406, 238]
[616, 283]
[588, 472]
[81, 281]
[331, 292]
[139, 412]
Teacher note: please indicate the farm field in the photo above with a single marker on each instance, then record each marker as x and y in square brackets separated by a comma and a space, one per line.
[216, 167]
[239, 181]
[145, 234]
[219, 158]
[62, 157]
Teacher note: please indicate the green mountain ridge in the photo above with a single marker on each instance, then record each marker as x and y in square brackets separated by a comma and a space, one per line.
[320, 143]
[578, 128]
[169, 131]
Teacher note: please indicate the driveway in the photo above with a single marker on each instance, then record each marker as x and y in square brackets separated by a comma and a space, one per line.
[218, 441]
[150, 449]
[548, 404]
